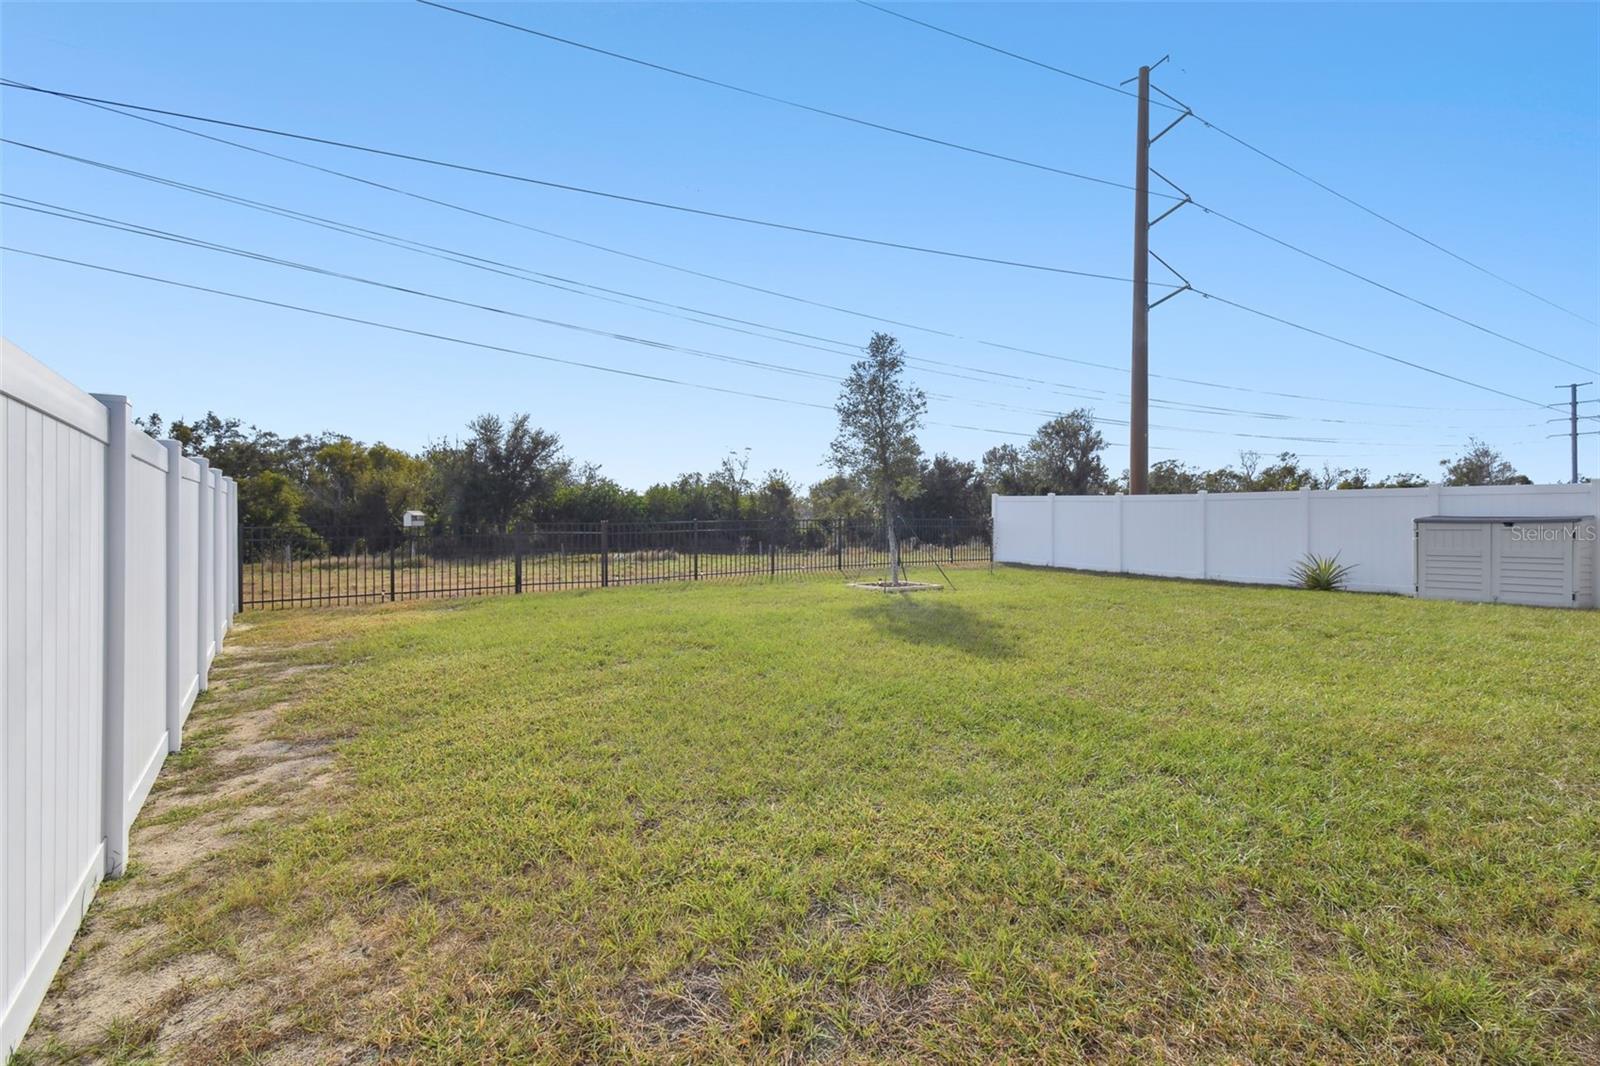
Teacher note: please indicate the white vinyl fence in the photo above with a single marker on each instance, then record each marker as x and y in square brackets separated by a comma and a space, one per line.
[117, 587]
[1256, 537]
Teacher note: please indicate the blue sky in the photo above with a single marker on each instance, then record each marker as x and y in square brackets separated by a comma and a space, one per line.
[1475, 125]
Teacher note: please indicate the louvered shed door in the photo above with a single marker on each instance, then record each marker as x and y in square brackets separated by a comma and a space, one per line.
[1533, 563]
[1453, 561]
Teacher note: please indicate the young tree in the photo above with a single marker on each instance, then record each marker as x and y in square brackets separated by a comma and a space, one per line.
[879, 415]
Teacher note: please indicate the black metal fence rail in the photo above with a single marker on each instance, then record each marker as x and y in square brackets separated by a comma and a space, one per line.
[342, 567]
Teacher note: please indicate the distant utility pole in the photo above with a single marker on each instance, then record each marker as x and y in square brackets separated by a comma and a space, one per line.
[1574, 387]
[1139, 392]
[1139, 415]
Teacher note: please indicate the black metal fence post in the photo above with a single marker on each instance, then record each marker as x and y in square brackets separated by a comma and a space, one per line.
[772, 552]
[518, 550]
[951, 540]
[695, 547]
[391, 571]
[238, 558]
[605, 554]
[838, 544]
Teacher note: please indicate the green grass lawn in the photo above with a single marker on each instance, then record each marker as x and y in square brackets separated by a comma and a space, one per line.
[1043, 817]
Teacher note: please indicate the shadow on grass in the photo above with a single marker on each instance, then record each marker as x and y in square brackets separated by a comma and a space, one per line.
[932, 618]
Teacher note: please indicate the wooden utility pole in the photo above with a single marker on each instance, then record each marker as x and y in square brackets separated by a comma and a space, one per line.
[1139, 415]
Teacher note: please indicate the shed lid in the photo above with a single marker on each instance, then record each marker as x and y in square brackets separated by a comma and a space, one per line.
[1502, 519]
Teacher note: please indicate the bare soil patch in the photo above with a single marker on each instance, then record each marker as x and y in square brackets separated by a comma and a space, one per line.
[130, 990]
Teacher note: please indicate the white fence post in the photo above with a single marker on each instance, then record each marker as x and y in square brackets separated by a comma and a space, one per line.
[175, 685]
[1205, 554]
[994, 526]
[1052, 505]
[1122, 521]
[113, 751]
[204, 633]
[219, 558]
[233, 550]
[1305, 515]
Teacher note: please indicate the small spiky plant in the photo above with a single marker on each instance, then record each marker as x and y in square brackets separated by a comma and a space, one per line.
[1322, 572]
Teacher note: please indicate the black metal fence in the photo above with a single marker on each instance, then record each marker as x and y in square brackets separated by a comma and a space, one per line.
[278, 570]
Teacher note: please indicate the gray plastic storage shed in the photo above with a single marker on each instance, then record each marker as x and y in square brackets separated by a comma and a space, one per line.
[1539, 561]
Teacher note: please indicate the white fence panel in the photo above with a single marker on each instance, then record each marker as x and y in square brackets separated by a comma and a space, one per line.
[1024, 524]
[102, 589]
[54, 593]
[1528, 501]
[1257, 537]
[1093, 540]
[1164, 535]
[1373, 530]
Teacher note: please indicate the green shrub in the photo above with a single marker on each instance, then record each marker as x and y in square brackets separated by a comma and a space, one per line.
[1323, 572]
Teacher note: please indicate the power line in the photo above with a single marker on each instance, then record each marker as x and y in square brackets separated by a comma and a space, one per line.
[73, 215]
[1480, 268]
[464, 209]
[412, 332]
[584, 190]
[1364, 348]
[869, 316]
[166, 235]
[538, 356]
[105, 222]
[1014, 55]
[536, 181]
[517, 273]
[831, 114]
[471, 343]
[1386, 288]
[647, 342]
[1178, 105]
[1241, 224]
[770, 98]
[511, 270]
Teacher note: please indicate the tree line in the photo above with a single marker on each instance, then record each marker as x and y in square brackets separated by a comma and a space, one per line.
[507, 473]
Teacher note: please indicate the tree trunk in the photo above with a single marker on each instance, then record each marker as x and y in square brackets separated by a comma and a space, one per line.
[894, 545]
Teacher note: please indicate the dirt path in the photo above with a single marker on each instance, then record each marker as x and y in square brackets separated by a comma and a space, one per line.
[130, 990]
